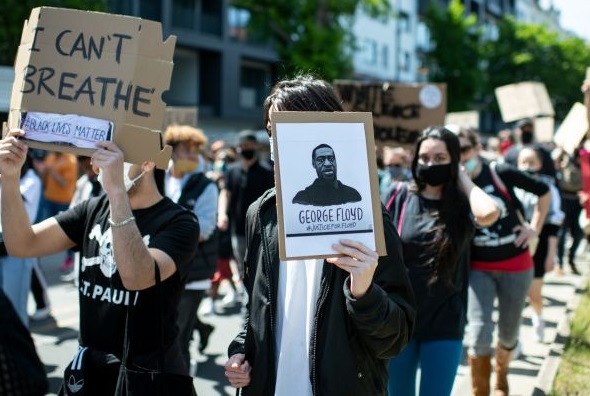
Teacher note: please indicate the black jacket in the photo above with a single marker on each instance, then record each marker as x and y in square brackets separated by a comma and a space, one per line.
[352, 340]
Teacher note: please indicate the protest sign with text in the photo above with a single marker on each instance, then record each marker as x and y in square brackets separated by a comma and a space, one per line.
[523, 100]
[400, 111]
[104, 67]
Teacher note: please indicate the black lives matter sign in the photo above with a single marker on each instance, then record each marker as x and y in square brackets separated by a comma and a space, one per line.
[400, 111]
[102, 66]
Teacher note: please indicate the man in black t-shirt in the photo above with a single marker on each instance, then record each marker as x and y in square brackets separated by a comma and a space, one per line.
[122, 236]
[326, 190]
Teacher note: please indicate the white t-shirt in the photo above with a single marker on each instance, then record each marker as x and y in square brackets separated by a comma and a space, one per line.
[299, 285]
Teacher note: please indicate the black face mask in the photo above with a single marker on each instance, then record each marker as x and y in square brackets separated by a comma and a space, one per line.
[526, 138]
[434, 175]
[248, 154]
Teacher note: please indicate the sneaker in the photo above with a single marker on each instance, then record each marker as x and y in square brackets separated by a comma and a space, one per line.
[539, 327]
[574, 268]
[517, 351]
[204, 337]
[41, 314]
[558, 271]
[67, 265]
[229, 299]
[207, 307]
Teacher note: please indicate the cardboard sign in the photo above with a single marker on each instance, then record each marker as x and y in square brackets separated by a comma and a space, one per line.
[180, 115]
[400, 111]
[523, 100]
[465, 119]
[572, 129]
[107, 67]
[327, 184]
[544, 129]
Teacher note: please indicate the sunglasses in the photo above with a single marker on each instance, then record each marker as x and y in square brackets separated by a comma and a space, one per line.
[465, 149]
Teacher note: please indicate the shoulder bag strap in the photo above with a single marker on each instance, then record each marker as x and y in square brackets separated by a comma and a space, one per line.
[128, 320]
[390, 202]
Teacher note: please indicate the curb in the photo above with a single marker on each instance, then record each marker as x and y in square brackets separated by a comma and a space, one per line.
[548, 371]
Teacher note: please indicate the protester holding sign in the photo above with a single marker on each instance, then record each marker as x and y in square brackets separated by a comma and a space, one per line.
[435, 217]
[314, 326]
[123, 236]
[501, 265]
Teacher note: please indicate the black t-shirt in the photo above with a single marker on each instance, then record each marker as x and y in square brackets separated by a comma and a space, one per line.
[441, 307]
[496, 242]
[322, 193]
[103, 298]
[245, 187]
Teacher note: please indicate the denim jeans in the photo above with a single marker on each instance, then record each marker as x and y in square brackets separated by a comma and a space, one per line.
[16, 281]
[438, 361]
[511, 289]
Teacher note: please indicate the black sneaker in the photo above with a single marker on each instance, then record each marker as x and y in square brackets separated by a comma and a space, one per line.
[204, 337]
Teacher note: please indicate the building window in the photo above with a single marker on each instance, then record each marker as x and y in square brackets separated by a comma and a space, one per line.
[404, 22]
[238, 19]
[150, 9]
[184, 14]
[368, 52]
[254, 82]
[406, 60]
[385, 56]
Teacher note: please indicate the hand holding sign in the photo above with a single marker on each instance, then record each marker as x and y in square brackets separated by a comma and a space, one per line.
[358, 260]
[13, 153]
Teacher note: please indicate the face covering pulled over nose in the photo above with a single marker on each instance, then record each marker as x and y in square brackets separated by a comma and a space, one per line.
[126, 179]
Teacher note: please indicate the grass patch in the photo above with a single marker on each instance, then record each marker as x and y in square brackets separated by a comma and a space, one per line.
[574, 370]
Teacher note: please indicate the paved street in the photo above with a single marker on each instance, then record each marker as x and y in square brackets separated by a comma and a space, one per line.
[56, 338]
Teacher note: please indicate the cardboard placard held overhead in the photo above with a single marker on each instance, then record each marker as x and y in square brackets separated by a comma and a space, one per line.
[544, 129]
[572, 129]
[327, 184]
[400, 111]
[465, 119]
[180, 115]
[106, 67]
[523, 100]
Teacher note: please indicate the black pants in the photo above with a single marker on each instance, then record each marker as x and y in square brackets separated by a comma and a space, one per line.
[572, 208]
[188, 319]
[39, 286]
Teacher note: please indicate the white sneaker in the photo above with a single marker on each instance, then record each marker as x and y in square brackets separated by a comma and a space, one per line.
[207, 307]
[41, 314]
[230, 299]
[517, 351]
[539, 327]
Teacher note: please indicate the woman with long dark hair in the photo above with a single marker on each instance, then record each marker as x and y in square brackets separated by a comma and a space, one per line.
[435, 216]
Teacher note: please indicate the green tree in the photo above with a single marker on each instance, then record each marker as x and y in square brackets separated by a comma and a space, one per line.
[13, 14]
[455, 55]
[311, 35]
[527, 52]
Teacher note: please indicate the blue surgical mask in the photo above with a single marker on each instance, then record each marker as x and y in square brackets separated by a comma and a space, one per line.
[470, 165]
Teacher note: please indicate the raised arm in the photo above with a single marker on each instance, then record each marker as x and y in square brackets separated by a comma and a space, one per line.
[484, 208]
[135, 261]
[22, 239]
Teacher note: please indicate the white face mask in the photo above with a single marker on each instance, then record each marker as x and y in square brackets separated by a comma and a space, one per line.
[272, 150]
[126, 180]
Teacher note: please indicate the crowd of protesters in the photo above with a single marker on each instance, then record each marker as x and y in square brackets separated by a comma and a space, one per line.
[469, 221]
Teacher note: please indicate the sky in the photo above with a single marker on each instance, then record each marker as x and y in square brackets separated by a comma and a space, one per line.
[575, 16]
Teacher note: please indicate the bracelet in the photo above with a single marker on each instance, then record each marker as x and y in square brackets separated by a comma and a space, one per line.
[121, 223]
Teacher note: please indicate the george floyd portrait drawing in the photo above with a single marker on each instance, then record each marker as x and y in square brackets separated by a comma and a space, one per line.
[326, 189]
[326, 182]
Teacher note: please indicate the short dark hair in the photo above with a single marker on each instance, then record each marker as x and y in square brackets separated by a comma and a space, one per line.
[304, 92]
[524, 122]
[323, 145]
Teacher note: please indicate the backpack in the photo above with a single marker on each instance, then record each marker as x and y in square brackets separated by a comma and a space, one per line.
[571, 177]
